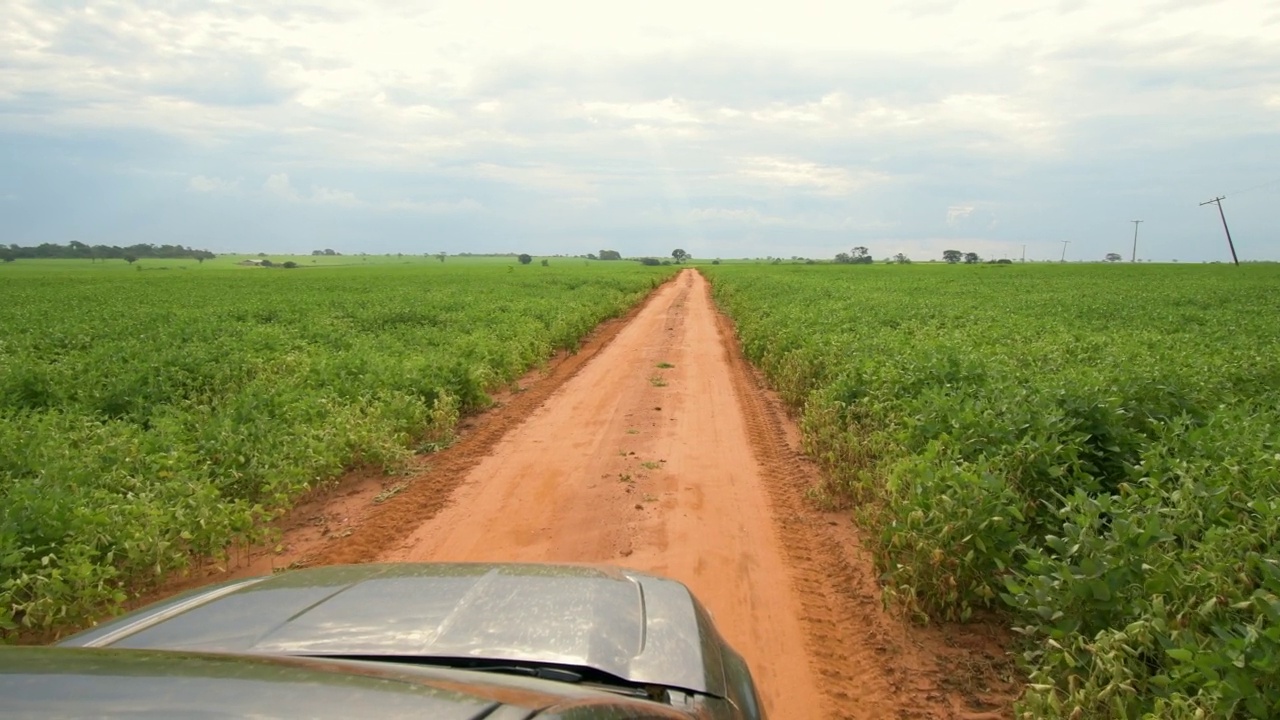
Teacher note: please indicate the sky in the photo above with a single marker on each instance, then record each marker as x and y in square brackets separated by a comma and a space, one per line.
[727, 129]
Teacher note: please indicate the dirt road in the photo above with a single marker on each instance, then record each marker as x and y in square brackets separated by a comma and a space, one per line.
[651, 467]
[655, 448]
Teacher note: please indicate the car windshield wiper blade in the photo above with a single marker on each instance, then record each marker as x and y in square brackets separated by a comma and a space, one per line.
[539, 671]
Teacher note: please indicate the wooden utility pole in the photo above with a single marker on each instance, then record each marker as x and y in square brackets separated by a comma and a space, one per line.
[1218, 201]
[1134, 258]
[1064, 250]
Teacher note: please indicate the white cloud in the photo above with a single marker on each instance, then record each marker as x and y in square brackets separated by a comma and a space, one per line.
[957, 213]
[822, 179]
[538, 176]
[465, 205]
[748, 216]
[667, 110]
[329, 196]
[213, 185]
[279, 185]
[971, 217]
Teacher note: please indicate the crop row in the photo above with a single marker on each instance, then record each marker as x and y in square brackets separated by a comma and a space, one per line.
[149, 418]
[1093, 452]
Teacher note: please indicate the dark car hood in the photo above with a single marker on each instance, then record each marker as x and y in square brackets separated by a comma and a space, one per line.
[636, 627]
[103, 683]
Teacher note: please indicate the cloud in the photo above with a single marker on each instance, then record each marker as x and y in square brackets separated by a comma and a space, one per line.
[787, 172]
[799, 124]
[666, 111]
[279, 186]
[329, 196]
[464, 205]
[213, 185]
[971, 217]
[735, 215]
[958, 213]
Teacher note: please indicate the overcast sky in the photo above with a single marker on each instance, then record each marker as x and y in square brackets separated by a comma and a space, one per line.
[729, 129]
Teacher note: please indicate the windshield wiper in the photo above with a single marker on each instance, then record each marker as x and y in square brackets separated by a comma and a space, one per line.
[537, 671]
[555, 673]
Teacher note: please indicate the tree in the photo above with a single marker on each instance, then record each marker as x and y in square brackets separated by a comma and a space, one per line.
[716, 261]
[329, 251]
[679, 255]
[546, 262]
[290, 264]
[440, 256]
[610, 255]
[844, 258]
[131, 259]
[1114, 257]
[654, 262]
[902, 259]
[202, 255]
[524, 259]
[592, 256]
[971, 258]
[952, 256]
[861, 255]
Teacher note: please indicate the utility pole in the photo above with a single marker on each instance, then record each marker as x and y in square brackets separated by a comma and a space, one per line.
[1135, 241]
[1218, 201]
[1024, 252]
[1064, 250]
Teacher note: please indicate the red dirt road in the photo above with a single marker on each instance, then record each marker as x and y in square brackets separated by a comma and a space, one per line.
[655, 447]
[651, 468]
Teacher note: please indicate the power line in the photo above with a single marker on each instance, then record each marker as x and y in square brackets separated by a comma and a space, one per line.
[1218, 201]
[1269, 183]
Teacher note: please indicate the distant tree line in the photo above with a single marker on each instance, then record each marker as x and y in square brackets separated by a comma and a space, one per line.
[79, 250]
[970, 258]
[859, 256]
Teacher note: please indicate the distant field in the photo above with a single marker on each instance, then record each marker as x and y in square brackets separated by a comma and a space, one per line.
[1094, 450]
[153, 412]
[227, 261]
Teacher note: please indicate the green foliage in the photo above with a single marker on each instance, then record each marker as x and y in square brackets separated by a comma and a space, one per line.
[146, 420]
[1094, 451]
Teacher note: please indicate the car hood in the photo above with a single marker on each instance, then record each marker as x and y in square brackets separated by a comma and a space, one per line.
[633, 626]
[107, 683]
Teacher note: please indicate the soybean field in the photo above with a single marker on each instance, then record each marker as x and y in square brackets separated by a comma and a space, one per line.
[1091, 452]
[154, 414]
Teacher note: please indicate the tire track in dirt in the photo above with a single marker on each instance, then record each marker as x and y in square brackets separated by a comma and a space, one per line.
[444, 471]
[642, 460]
[856, 648]
[663, 456]
[349, 522]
